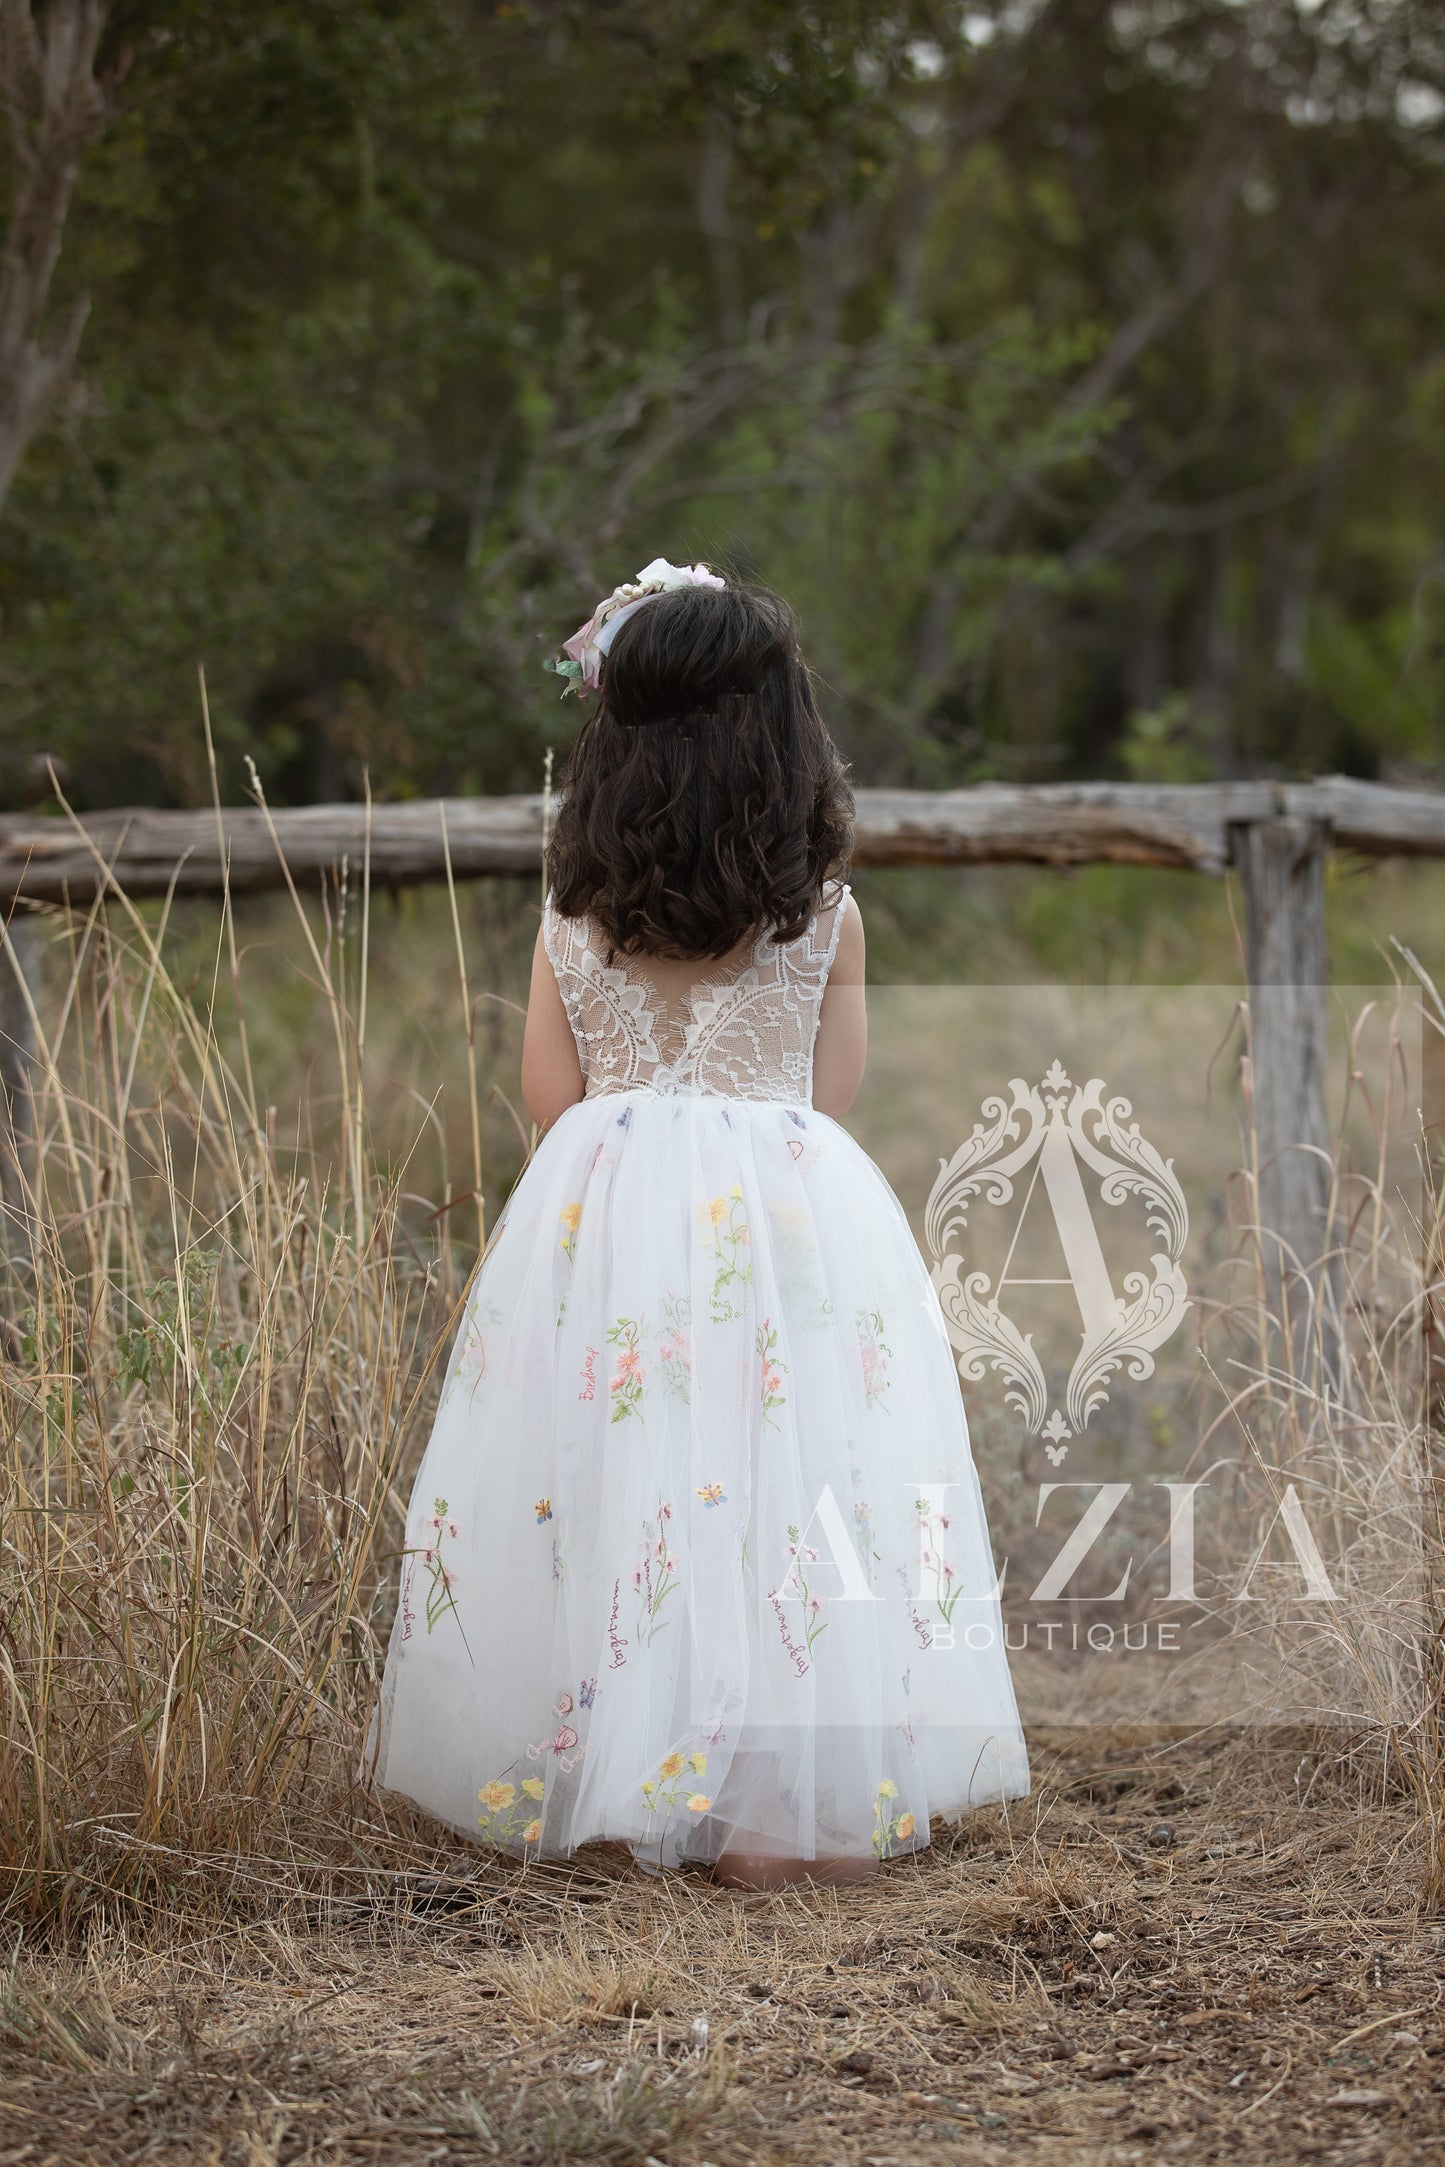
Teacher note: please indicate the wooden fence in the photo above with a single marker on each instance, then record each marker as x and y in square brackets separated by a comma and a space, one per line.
[1275, 836]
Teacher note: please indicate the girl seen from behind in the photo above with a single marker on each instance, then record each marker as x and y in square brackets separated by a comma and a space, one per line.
[696, 1557]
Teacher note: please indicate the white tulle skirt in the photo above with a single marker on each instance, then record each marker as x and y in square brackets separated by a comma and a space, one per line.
[696, 1555]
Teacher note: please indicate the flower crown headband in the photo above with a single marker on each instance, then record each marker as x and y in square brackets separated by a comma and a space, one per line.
[581, 659]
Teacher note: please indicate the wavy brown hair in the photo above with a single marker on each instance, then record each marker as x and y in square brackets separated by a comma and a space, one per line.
[704, 799]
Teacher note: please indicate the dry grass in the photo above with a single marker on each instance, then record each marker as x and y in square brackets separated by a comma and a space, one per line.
[216, 1377]
[218, 1367]
[1163, 1952]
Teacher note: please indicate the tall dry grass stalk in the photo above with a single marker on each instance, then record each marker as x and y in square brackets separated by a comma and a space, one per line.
[217, 1364]
[1335, 1388]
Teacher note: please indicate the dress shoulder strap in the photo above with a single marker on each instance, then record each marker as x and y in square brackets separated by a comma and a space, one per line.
[838, 909]
[565, 939]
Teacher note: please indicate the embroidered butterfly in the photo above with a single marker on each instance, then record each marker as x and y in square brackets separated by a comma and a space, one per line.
[561, 1746]
[587, 1692]
[543, 1509]
[713, 1493]
[727, 1699]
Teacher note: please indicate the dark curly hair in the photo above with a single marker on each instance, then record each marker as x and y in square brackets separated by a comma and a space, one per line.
[704, 799]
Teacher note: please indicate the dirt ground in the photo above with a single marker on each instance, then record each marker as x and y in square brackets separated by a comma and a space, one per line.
[1207, 1950]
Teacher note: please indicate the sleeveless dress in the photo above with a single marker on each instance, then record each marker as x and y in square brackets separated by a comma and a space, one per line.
[696, 1554]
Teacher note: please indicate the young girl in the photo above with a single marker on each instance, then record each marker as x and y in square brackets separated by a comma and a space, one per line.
[696, 1559]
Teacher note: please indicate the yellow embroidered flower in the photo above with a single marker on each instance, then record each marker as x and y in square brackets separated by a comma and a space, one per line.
[887, 1788]
[672, 1766]
[698, 1803]
[571, 1216]
[648, 1789]
[717, 1210]
[906, 1826]
[533, 1786]
[697, 1762]
[497, 1796]
[532, 1833]
[735, 1190]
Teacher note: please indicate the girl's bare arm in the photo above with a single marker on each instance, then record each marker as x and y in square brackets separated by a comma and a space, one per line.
[551, 1071]
[840, 1051]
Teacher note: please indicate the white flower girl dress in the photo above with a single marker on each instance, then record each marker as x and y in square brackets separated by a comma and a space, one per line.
[696, 1556]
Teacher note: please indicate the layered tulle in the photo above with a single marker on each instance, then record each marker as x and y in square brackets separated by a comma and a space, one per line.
[696, 1554]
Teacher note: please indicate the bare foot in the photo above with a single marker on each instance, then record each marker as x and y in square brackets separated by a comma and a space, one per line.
[763, 1870]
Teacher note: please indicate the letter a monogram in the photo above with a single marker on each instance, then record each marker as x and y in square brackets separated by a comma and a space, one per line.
[1063, 1127]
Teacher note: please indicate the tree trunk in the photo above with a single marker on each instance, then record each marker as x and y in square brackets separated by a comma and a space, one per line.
[56, 105]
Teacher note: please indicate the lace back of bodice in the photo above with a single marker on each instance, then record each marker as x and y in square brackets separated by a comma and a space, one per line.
[740, 1030]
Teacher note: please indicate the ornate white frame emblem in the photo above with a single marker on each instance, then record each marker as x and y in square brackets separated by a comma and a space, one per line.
[1066, 1123]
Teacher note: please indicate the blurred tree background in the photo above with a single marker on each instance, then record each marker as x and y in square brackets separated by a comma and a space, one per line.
[1077, 368]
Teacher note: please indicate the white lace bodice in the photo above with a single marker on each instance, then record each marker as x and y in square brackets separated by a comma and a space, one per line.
[740, 1030]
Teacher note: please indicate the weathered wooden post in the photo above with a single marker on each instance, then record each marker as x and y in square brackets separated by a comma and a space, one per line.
[1281, 867]
[19, 971]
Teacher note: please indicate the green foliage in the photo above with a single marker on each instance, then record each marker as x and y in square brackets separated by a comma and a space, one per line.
[1073, 368]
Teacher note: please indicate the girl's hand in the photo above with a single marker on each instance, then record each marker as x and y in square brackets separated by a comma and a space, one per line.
[840, 1051]
[551, 1071]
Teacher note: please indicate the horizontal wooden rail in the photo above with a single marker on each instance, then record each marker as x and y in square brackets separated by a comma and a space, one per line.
[1189, 825]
